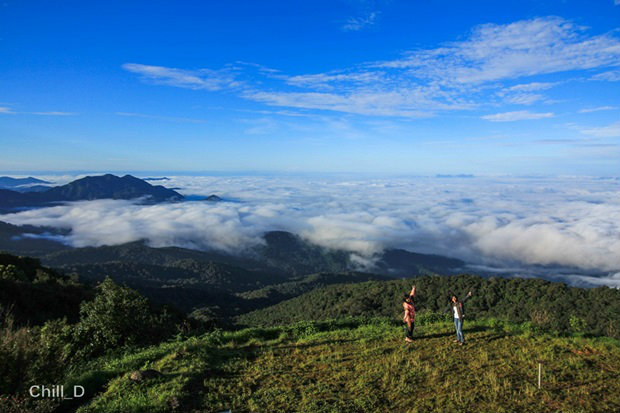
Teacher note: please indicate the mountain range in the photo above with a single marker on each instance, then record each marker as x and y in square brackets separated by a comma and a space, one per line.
[212, 283]
[88, 188]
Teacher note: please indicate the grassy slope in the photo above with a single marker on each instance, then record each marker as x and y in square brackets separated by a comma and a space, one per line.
[354, 366]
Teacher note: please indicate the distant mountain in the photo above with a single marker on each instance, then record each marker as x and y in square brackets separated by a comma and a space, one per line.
[398, 261]
[111, 186]
[275, 293]
[90, 188]
[30, 240]
[454, 176]
[31, 188]
[217, 285]
[297, 256]
[10, 182]
[157, 179]
[283, 253]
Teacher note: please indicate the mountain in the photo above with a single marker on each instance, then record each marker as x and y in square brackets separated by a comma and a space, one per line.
[30, 240]
[399, 261]
[218, 284]
[89, 188]
[110, 186]
[157, 179]
[9, 182]
[31, 188]
[297, 256]
[275, 293]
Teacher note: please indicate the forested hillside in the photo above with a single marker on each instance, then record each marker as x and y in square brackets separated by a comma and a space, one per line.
[32, 294]
[548, 306]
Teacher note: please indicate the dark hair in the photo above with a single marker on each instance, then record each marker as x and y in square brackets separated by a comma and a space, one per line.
[453, 295]
[405, 296]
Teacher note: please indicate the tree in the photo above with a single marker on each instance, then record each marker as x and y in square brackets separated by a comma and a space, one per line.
[116, 317]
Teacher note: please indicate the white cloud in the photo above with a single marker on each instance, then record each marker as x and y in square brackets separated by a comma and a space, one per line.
[206, 79]
[516, 115]
[531, 87]
[501, 222]
[610, 76]
[53, 113]
[521, 94]
[7, 110]
[609, 131]
[524, 98]
[166, 118]
[524, 48]
[358, 23]
[598, 109]
[369, 103]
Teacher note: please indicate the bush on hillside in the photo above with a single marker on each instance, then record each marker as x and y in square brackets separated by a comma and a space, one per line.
[118, 316]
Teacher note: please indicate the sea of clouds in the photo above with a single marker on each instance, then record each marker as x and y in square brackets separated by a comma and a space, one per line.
[566, 228]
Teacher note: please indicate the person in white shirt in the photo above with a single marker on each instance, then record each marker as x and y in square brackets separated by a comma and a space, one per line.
[458, 313]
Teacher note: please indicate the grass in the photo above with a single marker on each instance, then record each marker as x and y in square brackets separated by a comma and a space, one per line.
[354, 365]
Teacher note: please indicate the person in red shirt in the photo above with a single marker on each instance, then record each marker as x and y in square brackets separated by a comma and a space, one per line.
[409, 317]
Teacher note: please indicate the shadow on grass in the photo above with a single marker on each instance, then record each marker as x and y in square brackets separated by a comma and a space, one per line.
[466, 331]
[314, 344]
[195, 388]
[93, 383]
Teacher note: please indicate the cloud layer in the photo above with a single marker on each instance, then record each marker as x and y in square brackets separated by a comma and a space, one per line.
[499, 222]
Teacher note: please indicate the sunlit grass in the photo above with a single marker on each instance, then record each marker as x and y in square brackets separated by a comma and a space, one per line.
[365, 366]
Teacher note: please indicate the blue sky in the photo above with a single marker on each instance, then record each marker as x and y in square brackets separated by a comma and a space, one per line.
[420, 87]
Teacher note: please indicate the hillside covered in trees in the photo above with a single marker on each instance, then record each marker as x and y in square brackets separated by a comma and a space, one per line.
[548, 306]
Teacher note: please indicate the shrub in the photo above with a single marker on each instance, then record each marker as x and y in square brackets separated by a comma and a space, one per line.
[304, 329]
[577, 324]
[12, 273]
[118, 316]
[430, 317]
[33, 355]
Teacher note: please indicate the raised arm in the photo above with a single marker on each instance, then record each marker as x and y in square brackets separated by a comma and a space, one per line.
[466, 297]
[412, 293]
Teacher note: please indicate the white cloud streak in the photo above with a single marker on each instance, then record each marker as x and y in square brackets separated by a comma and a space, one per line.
[598, 109]
[507, 222]
[609, 131]
[207, 79]
[516, 115]
[158, 117]
[610, 76]
[9, 111]
[357, 23]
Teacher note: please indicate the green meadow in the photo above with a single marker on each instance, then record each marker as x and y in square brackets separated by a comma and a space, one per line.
[361, 365]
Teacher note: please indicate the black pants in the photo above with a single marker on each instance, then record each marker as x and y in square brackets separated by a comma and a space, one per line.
[409, 331]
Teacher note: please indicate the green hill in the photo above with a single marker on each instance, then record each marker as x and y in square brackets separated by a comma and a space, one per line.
[356, 366]
[547, 305]
[33, 294]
